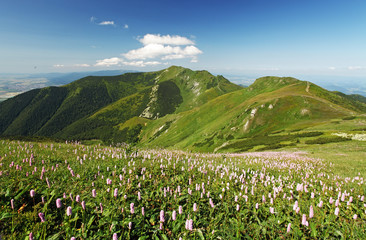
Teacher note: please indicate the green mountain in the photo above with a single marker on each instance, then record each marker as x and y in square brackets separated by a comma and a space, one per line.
[253, 116]
[177, 108]
[109, 108]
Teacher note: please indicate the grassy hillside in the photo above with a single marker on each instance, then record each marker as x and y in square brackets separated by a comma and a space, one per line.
[96, 107]
[270, 105]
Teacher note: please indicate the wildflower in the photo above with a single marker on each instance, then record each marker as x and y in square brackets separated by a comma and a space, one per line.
[115, 194]
[130, 225]
[41, 216]
[115, 236]
[311, 212]
[237, 207]
[72, 238]
[336, 211]
[32, 193]
[211, 203]
[83, 205]
[139, 196]
[132, 208]
[161, 226]
[297, 210]
[31, 236]
[355, 216]
[271, 210]
[69, 211]
[320, 204]
[289, 227]
[58, 203]
[194, 207]
[101, 207]
[12, 203]
[94, 193]
[295, 205]
[77, 199]
[180, 209]
[303, 221]
[174, 215]
[189, 224]
[162, 219]
[256, 205]
[143, 211]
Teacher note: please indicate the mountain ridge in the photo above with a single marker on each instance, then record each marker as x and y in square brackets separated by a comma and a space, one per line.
[173, 107]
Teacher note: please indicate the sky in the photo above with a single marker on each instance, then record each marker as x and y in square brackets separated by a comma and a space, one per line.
[254, 37]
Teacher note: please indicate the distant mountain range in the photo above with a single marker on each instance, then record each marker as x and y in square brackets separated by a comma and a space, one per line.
[174, 107]
[14, 84]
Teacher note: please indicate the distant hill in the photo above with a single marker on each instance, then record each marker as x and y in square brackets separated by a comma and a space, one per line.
[173, 108]
[14, 84]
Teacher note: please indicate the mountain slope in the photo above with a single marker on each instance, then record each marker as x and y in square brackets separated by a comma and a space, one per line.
[96, 107]
[269, 105]
[176, 108]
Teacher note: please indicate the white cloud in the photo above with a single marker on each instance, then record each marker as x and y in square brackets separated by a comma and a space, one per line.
[332, 68]
[356, 68]
[166, 40]
[115, 61]
[82, 65]
[141, 63]
[154, 49]
[156, 46]
[105, 23]
[58, 66]
[125, 26]
[108, 62]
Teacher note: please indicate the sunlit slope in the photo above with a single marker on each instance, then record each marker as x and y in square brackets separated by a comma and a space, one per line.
[97, 107]
[269, 105]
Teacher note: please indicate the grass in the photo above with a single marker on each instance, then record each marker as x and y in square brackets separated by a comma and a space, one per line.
[251, 195]
[347, 158]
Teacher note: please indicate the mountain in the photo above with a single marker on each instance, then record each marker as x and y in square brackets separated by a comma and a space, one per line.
[176, 108]
[14, 84]
[110, 108]
[252, 116]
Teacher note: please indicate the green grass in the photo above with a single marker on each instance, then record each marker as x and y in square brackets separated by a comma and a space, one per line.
[347, 158]
[166, 180]
[296, 105]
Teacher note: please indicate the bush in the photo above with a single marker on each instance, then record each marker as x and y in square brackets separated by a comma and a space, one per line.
[324, 140]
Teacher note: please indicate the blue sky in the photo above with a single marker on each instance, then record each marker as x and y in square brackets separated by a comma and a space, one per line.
[257, 37]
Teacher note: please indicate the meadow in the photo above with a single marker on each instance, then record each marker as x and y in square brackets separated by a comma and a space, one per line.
[67, 190]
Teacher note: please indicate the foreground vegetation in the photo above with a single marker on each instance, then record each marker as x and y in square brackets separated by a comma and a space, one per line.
[65, 190]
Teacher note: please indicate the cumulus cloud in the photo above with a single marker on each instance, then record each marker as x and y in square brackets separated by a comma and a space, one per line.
[58, 65]
[165, 40]
[105, 23]
[156, 48]
[125, 26]
[108, 62]
[82, 65]
[141, 63]
[164, 47]
[115, 61]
